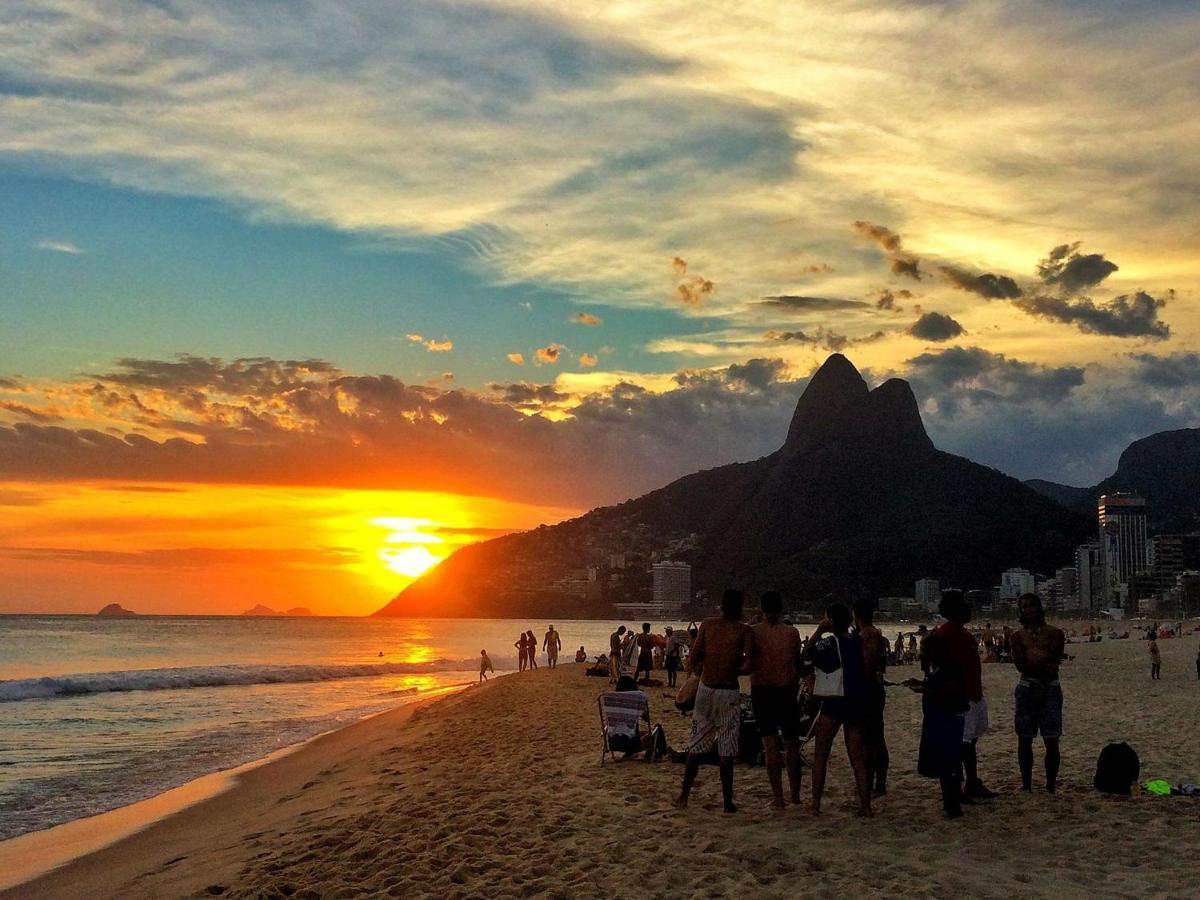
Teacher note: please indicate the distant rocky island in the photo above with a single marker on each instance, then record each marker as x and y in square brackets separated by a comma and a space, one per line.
[260, 610]
[116, 611]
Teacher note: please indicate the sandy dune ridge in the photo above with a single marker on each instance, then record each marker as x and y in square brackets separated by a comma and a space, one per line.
[497, 792]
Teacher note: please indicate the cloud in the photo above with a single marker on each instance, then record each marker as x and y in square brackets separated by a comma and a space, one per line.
[973, 376]
[59, 247]
[934, 326]
[432, 345]
[679, 266]
[793, 303]
[887, 299]
[582, 318]
[588, 359]
[986, 285]
[1177, 370]
[821, 337]
[1073, 271]
[693, 290]
[548, 354]
[1129, 315]
[517, 359]
[900, 261]
[522, 393]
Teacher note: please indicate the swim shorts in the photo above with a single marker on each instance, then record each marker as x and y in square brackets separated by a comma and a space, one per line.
[844, 711]
[716, 720]
[776, 711]
[1038, 708]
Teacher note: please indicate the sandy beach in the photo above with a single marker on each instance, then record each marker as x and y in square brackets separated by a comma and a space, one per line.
[498, 791]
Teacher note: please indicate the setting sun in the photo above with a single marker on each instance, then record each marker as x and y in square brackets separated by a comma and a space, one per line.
[411, 561]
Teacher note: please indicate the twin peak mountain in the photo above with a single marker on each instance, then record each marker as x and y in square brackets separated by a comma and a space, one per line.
[857, 501]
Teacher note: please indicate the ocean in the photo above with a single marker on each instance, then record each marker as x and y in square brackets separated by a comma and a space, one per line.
[99, 713]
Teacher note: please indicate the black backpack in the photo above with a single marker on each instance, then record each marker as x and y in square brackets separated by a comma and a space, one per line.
[1117, 769]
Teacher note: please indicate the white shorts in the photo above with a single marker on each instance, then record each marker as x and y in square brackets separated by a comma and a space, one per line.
[716, 721]
[976, 725]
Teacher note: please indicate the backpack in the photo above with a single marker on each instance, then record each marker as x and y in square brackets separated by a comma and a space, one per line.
[1117, 769]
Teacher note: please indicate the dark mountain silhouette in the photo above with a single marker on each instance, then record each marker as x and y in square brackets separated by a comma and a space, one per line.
[1164, 468]
[857, 500]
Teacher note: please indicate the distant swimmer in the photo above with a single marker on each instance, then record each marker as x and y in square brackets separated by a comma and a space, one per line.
[485, 666]
[552, 643]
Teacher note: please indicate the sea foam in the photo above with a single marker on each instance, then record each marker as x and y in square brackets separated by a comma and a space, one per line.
[185, 677]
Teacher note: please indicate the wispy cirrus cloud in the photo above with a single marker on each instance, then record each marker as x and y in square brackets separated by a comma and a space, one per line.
[54, 246]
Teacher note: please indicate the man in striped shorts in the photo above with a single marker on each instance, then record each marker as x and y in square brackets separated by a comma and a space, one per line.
[720, 653]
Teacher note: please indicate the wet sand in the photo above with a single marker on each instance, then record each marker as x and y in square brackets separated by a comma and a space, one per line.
[498, 792]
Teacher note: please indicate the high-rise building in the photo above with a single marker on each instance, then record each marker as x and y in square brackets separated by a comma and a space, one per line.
[672, 582]
[928, 594]
[1015, 582]
[1089, 573]
[1123, 544]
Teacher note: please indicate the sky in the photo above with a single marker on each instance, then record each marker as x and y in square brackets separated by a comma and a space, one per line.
[296, 298]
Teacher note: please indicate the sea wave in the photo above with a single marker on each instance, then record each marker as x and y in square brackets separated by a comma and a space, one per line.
[185, 677]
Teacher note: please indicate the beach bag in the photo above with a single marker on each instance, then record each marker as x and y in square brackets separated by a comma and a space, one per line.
[685, 700]
[830, 684]
[1117, 769]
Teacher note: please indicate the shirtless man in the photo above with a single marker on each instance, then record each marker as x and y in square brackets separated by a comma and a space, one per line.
[1037, 651]
[552, 643]
[774, 686]
[875, 654]
[720, 653]
[645, 660]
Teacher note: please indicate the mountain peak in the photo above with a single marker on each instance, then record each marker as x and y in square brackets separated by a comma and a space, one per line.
[836, 386]
[837, 406]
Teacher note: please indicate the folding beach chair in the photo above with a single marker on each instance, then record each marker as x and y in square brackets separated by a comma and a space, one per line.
[619, 706]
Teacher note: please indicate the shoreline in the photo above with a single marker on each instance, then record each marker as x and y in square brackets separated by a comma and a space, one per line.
[499, 791]
[30, 857]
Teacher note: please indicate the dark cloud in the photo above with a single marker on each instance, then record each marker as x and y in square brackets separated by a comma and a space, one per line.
[887, 299]
[993, 287]
[821, 337]
[794, 303]
[1177, 370]
[934, 326]
[900, 260]
[693, 290]
[973, 376]
[9, 384]
[34, 415]
[1074, 271]
[1129, 315]
[522, 392]
[756, 373]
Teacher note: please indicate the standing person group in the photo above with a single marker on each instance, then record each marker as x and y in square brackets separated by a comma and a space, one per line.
[527, 649]
[848, 679]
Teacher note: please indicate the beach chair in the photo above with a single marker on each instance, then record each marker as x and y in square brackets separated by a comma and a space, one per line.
[619, 707]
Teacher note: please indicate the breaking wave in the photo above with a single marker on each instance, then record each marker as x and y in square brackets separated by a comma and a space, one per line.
[210, 676]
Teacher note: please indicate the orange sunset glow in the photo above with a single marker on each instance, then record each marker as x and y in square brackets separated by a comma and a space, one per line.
[221, 549]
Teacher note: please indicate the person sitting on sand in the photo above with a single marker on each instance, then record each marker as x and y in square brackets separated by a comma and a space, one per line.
[774, 685]
[522, 646]
[832, 647]
[1155, 660]
[720, 653]
[645, 660]
[614, 654]
[943, 705]
[1037, 651]
[552, 643]
[580, 655]
[485, 666]
[624, 712]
